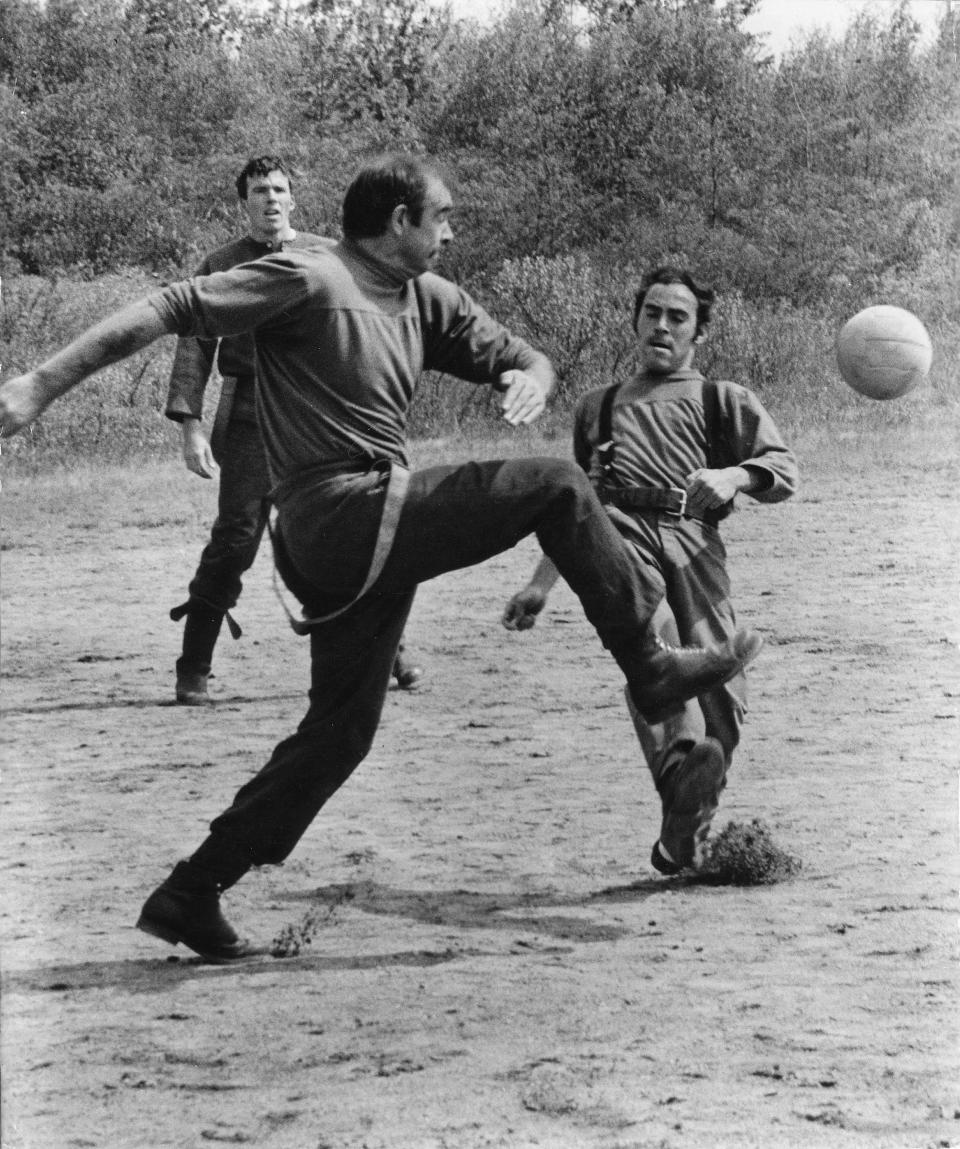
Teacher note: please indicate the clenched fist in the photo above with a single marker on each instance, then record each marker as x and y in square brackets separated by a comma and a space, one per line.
[522, 610]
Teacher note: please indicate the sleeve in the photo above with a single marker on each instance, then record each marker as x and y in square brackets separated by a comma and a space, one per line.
[192, 366]
[754, 441]
[247, 298]
[462, 339]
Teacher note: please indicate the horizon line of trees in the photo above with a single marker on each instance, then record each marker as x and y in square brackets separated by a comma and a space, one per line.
[643, 129]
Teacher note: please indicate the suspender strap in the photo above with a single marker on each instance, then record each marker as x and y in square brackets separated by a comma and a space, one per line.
[712, 424]
[605, 447]
[392, 506]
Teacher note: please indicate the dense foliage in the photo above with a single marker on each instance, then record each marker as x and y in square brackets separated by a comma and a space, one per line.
[583, 141]
[644, 124]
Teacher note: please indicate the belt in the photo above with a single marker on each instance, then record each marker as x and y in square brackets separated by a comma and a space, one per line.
[663, 500]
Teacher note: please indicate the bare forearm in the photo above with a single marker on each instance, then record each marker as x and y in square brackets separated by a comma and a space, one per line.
[25, 397]
[115, 338]
[523, 608]
[545, 576]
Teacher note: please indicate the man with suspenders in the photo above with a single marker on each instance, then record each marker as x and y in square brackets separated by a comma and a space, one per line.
[668, 452]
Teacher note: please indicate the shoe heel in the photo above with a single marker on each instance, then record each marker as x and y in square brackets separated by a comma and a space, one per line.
[155, 929]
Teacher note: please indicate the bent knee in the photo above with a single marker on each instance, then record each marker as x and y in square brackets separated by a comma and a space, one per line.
[563, 475]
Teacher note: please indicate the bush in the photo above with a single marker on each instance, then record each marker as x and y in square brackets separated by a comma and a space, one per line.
[561, 306]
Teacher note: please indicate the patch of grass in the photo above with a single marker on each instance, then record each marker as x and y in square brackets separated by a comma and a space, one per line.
[92, 496]
[746, 855]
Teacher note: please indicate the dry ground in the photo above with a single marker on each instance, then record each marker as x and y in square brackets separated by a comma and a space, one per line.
[493, 962]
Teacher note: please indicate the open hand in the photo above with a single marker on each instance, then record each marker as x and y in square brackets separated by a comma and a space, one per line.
[524, 397]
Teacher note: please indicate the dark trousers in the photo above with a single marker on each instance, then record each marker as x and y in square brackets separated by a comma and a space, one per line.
[241, 518]
[453, 517]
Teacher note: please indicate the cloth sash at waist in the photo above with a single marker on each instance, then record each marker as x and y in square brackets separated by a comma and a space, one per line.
[397, 483]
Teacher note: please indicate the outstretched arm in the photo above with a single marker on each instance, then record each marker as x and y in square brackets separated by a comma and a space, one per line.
[25, 397]
[522, 610]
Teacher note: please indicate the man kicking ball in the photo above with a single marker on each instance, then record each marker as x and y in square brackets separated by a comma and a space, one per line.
[341, 338]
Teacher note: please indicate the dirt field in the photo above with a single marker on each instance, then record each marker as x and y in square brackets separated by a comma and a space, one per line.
[493, 962]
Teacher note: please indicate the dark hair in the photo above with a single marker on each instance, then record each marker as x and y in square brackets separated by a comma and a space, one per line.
[667, 273]
[381, 185]
[260, 166]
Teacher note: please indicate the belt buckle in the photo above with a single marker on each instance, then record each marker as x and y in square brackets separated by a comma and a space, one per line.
[682, 509]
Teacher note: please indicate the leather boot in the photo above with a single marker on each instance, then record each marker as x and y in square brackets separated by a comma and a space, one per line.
[672, 674]
[407, 675]
[186, 908]
[690, 793]
[200, 633]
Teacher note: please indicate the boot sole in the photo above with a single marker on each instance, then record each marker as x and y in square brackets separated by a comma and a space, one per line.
[175, 937]
[694, 805]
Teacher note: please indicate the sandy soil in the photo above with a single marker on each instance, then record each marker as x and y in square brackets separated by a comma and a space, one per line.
[493, 962]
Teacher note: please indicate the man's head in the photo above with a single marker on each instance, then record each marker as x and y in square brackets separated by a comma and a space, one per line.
[399, 205]
[671, 313]
[265, 193]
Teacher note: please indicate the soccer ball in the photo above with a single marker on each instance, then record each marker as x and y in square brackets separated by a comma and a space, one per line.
[883, 352]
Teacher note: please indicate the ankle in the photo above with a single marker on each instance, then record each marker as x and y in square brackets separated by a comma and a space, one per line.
[188, 878]
[220, 860]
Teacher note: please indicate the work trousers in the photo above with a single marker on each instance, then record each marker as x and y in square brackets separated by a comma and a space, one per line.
[241, 518]
[452, 517]
[687, 559]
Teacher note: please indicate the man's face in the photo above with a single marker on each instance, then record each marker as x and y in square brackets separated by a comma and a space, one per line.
[422, 244]
[667, 327]
[268, 206]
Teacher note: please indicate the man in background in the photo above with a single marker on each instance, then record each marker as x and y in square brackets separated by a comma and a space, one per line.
[235, 450]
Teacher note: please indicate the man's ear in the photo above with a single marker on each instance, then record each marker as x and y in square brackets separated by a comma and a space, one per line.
[398, 217]
[701, 335]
